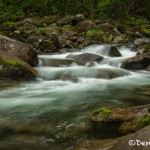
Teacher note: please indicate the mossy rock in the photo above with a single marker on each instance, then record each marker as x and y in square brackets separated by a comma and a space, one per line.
[14, 68]
[98, 35]
[102, 114]
[141, 123]
[47, 45]
[46, 20]
[145, 30]
[68, 29]
[85, 25]
[19, 49]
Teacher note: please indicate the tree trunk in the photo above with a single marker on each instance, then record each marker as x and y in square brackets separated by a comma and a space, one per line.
[81, 6]
[92, 8]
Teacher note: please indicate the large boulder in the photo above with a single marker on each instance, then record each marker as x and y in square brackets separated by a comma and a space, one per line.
[14, 68]
[135, 141]
[54, 62]
[128, 119]
[137, 63]
[86, 57]
[19, 49]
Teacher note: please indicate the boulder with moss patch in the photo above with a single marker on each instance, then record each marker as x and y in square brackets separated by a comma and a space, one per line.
[19, 49]
[13, 68]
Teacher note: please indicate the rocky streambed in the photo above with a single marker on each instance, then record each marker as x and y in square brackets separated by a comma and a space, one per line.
[55, 110]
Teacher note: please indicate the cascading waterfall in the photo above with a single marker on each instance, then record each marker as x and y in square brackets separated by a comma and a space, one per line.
[53, 111]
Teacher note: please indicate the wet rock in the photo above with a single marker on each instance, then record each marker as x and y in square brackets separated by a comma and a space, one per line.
[137, 63]
[123, 142]
[58, 62]
[86, 57]
[141, 41]
[96, 145]
[148, 68]
[119, 114]
[113, 52]
[111, 73]
[129, 119]
[19, 49]
[137, 142]
[14, 68]
[86, 72]
[141, 49]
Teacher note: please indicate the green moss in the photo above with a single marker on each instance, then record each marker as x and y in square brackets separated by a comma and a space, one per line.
[104, 113]
[136, 21]
[45, 44]
[140, 123]
[13, 62]
[94, 32]
[9, 24]
[42, 29]
[98, 34]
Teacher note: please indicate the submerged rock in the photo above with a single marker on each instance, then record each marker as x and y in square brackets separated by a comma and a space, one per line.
[14, 68]
[86, 57]
[19, 49]
[53, 62]
[80, 72]
[130, 119]
[138, 62]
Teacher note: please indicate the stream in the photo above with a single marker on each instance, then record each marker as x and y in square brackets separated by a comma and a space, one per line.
[54, 114]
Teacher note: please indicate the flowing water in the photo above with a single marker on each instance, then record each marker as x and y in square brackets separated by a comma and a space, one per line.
[54, 114]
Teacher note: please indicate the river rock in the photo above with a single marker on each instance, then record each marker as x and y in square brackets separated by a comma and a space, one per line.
[137, 142]
[14, 68]
[141, 49]
[148, 68]
[119, 114]
[86, 57]
[19, 49]
[70, 20]
[140, 41]
[85, 25]
[83, 72]
[53, 62]
[113, 52]
[129, 119]
[138, 62]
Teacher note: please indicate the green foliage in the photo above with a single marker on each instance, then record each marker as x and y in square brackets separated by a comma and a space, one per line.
[136, 21]
[13, 10]
[140, 123]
